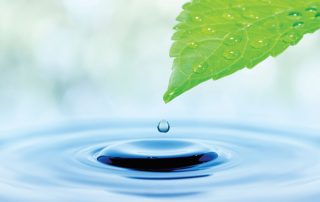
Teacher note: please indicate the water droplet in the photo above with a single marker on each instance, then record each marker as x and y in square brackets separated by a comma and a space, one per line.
[231, 54]
[298, 24]
[311, 10]
[208, 30]
[193, 44]
[294, 15]
[200, 68]
[272, 25]
[163, 126]
[260, 43]
[292, 38]
[251, 15]
[243, 23]
[228, 16]
[232, 40]
[198, 19]
[240, 7]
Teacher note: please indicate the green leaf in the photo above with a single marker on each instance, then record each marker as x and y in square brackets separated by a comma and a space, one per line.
[215, 38]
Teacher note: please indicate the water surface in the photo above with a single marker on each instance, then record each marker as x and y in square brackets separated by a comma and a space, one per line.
[253, 164]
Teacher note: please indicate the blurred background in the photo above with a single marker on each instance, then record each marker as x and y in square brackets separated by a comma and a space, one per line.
[67, 60]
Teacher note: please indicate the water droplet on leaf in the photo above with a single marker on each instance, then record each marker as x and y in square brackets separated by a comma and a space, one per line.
[193, 44]
[200, 68]
[272, 25]
[231, 54]
[208, 30]
[294, 15]
[260, 43]
[311, 10]
[228, 16]
[292, 38]
[250, 15]
[163, 126]
[298, 24]
[198, 19]
[243, 23]
[232, 40]
[240, 7]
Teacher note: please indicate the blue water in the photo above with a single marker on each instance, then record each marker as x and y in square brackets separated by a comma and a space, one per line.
[157, 155]
[251, 164]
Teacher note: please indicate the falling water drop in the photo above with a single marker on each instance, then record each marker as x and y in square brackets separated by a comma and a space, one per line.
[163, 126]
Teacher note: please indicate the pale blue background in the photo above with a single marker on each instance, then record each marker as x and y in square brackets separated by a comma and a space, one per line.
[67, 60]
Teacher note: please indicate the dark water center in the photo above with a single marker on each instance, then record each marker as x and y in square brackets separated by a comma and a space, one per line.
[156, 155]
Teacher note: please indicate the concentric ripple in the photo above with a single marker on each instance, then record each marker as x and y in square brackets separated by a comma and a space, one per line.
[156, 155]
[251, 164]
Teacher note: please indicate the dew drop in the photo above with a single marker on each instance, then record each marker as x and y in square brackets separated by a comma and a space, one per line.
[240, 7]
[200, 68]
[272, 25]
[311, 10]
[250, 15]
[294, 15]
[198, 19]
[292, 38]
[243, 23]
[260, 43]
[208, 30]
[193, 44]
[228, 16]
[231, 54]
[163, 126]
[232, 40]
[298, 24]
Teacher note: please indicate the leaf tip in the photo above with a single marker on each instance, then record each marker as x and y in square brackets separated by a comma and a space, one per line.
[169, 96]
